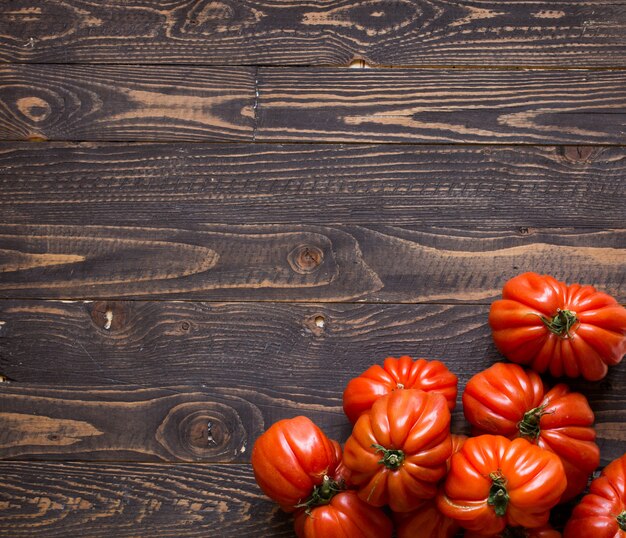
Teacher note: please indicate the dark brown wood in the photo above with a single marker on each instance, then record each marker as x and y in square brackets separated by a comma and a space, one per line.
[280, 262]
[189, 184]
[245, 366]
[408, 32]
[433, 106]
[126, 103]
[56, 500]
[176, 423]
[340, 105]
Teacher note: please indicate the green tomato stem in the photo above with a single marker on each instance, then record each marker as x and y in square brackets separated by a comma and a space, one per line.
[621, 520]
[529, 425]
[322, 494]
[498, 495]
[561, 323]
[392, 459]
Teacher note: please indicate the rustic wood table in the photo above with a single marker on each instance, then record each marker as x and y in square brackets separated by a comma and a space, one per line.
[209, 222]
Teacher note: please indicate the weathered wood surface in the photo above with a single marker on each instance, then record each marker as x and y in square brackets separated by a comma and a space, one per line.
[127, 500]
[123, 103]
[183, 184]
[244, 366]
[433, 106]
[126, 103]
[297, 263]
[409, 32]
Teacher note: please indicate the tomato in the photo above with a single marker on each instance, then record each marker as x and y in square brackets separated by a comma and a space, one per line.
[398, 449]
[426, 521]
[403, 373]
[602, 512]
[507, 400]
[494, 482]
[291, 458]
[519, 532]
[344, 516]
[566, 330]
[457, 442]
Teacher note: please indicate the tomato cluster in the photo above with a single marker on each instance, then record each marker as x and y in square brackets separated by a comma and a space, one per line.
[532, 446]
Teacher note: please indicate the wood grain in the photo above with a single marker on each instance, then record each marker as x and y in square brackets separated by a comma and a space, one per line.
[244, 365]
[287, 263]
[176, 423]
[126, 103]
[56, 500]
[407, 32]
[434, 106]
[189, 184]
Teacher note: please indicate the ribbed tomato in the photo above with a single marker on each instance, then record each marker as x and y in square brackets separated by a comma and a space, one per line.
[494, 482]
[507, 400]
[602, 512]
[426, 521]
[566, 330]
[397, 373]
[398, 449]
[345, 515]
[291, 458]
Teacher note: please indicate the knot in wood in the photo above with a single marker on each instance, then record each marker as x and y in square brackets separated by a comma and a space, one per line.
[108, 315]
[305, 259]
[202, 431]
[579, 154]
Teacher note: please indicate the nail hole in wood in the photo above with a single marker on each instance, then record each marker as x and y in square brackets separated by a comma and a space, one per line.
[320, 321]
[359, 64]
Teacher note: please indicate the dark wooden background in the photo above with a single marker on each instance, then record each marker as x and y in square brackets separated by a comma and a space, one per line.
[208, 218]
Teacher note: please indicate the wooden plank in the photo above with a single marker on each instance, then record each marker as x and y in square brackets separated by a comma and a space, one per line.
[411, 32]
[175, 423]
[434, 106]
[123, 103]
[301, 263]
[132, 499]
[190, 184]
[126, 103]
[244, 366]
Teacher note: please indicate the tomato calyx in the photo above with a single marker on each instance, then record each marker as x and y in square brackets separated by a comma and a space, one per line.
[621, 520]
[392, 459]
[529, 425]
[322, 494]
[561, 323]
[498, 495]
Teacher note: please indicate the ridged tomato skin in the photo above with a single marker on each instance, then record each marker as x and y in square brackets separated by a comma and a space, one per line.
[399, 448]
[291, 458]
[426, 521]
[533, 479]
[565, 330]
[505, 399]
[597, 513]
[398, 373]
[346, 516]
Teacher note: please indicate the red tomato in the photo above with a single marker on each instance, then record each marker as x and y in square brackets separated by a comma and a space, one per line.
[566, 330]
[507, 400]
[403, 373]
[457, 442]
[345, 516]
[602, 512]
[398, 449]
[494, 482]
[426, 522]
[291, 458]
